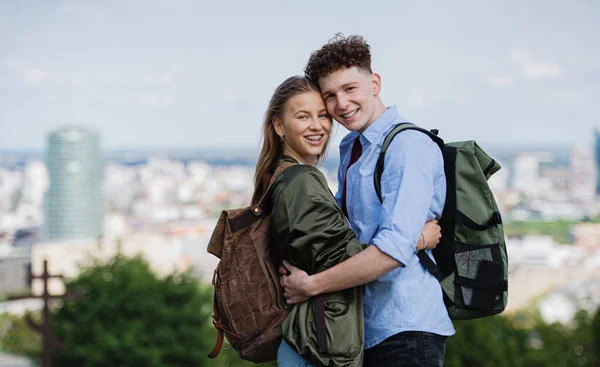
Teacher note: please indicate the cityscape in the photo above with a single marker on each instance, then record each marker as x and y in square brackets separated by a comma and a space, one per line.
[77, 201]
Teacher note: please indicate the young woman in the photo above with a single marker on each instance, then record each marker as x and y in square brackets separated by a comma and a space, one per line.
[309, 229]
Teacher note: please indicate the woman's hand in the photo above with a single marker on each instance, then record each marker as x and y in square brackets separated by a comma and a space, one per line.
[432, 233]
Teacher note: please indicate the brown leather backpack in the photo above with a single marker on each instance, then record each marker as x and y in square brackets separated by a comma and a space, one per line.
[249, 306]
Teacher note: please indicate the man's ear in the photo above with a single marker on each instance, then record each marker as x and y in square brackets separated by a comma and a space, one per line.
[278, 126]
[376, 83]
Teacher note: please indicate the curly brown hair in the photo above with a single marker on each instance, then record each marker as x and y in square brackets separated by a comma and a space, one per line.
[340, 52]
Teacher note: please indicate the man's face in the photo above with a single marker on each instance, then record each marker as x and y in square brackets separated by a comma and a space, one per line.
[350, 95]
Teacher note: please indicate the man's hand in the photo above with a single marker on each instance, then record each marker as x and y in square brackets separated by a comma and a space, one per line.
[432, 233]
[296, 283]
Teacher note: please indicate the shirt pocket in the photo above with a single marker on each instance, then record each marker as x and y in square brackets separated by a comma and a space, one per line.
[365, 203]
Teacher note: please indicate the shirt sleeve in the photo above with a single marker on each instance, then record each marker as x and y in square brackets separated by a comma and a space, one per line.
[412, 165]
[309, 224]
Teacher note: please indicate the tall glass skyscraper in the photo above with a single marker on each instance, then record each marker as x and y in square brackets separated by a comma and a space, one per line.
[74, 205]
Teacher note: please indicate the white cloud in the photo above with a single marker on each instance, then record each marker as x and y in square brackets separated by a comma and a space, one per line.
[32, 75]
[35, 76]
[500, 80]
[542, 70]
[16, 63]
[532, 68]
[521, 56]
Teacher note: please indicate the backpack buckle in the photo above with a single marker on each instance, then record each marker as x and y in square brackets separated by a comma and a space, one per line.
[498, 217]
[220, 326]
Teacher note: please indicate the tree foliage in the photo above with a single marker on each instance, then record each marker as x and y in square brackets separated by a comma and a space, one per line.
[16, 337]
[525, 340]
[130, 317]
[560, 230]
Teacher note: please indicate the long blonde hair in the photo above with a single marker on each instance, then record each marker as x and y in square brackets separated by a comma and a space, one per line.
[272, 147]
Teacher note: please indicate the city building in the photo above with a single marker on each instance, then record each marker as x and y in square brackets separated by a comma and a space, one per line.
[582, 176]
[74, 206]
[526, 174]
[14, 272]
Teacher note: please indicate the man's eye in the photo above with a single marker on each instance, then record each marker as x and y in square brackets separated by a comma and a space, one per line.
[324, 116]
[351, 89]
[303, 117]
[330, 96]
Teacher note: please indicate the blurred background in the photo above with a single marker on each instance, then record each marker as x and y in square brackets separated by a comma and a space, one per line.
[127, 126]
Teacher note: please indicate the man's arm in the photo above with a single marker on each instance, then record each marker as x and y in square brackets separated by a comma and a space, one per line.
[371, 264]
[360, 269]
[411, 167]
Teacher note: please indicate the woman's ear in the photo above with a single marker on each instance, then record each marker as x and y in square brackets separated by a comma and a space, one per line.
[278, 126]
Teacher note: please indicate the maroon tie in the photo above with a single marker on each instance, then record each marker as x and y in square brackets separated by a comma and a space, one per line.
[356, 152]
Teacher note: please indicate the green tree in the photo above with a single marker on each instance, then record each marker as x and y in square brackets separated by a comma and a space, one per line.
[596, 336]
[16, 337]
[562, 345]
[130, 317]
[560, 230]
[492, 341]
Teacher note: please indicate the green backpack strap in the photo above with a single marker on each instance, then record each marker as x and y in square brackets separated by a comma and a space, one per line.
[379, 166]
[423, 257]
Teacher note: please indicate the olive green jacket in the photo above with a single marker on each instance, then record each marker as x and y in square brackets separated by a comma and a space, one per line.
[313, 233]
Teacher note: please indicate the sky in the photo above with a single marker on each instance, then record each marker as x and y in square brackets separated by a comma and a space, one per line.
[198, 74]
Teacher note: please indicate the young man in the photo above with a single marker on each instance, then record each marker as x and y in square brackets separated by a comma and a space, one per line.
[406, 322]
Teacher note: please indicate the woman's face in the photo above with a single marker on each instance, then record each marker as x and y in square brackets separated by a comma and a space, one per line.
[305, 127]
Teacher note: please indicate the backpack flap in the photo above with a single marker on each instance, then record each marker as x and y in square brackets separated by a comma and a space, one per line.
[488, 165]
[215, 245]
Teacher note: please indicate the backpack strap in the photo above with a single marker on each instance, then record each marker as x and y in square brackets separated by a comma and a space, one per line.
[379, 166]
[278, 171]
[256, 211]
[319, 302]
[217, 323]
[433, 134]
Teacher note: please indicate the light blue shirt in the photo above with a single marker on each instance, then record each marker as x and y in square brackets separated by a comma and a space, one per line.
[413, 187]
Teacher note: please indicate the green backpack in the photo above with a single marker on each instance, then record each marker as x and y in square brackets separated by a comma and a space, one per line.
[471, 263]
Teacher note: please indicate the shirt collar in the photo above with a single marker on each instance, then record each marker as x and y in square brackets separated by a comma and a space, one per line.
[376, 130]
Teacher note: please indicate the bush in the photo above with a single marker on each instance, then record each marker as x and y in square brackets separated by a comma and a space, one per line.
[129, 317]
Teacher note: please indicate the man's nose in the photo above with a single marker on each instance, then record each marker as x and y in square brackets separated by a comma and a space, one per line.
[342, 103]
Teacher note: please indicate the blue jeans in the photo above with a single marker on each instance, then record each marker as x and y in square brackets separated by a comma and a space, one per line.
[410, 348]
[287, 357]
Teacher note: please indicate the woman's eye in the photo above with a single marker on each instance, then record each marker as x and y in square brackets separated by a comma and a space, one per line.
[324, 116]
[303, 117]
